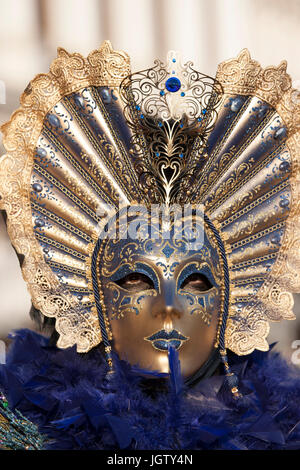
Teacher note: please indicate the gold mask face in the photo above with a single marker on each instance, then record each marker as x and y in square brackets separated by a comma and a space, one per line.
[161, 292]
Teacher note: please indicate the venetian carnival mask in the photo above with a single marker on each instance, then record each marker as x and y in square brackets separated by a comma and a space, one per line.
[92, 139]
[163, 290]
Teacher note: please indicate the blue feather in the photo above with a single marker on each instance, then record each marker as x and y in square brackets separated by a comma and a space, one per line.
[67, 396]
[175, 370]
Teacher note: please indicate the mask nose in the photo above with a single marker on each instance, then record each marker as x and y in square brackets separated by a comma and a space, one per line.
[167, 305]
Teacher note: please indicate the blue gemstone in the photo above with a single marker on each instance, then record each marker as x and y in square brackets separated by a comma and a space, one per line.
[174, 60]
[41, 152]
[236, 104]
[199, 119]
[39, 223]
[37, 187]
[284, 203]
[275, 239]
[173, 84]
[284, 166]
[54, 121]
[204, 111]
[162, 93]
[79, 101]
[137, 107]
[157, 154]
[160, 124]
[142, 116]
[181, 155]
[105, 96]
[182, 93]
[280, 133]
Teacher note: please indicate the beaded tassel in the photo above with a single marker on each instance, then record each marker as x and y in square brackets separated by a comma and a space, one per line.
[231, 378]
[109, 359]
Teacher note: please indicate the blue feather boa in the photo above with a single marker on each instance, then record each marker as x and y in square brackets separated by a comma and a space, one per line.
[69, 397]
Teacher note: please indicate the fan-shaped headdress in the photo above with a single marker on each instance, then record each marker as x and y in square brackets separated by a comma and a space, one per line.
[89, 135]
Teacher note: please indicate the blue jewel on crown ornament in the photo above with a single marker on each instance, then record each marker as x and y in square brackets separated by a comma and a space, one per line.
[173, 84]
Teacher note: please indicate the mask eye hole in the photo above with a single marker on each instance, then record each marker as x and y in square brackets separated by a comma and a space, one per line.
[196, 282]
[135, 282]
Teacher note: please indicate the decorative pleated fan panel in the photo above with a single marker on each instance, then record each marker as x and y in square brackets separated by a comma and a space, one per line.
[245, 187]
[81, 166]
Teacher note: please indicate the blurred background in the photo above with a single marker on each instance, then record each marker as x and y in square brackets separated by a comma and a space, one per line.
[205, 31]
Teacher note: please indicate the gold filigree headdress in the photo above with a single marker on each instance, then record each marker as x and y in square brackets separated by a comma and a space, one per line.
[84, 140]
